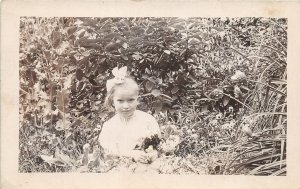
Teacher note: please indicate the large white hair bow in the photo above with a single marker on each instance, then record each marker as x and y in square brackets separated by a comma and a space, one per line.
[119, 78]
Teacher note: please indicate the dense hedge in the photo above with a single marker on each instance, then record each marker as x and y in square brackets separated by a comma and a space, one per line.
[215, 79]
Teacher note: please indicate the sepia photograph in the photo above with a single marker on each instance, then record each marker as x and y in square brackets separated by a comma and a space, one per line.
[165, 95]
[150, 94]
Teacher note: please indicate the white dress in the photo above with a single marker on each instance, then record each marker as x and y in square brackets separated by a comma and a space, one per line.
[119, 136]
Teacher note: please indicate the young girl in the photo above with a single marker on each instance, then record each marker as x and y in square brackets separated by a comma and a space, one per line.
[124, 131]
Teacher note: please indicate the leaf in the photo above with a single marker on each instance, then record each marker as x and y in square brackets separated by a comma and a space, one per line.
[111, 35]
[47, 159]
[125, 45]
[93, 82]
[149, 43]
[59, 162]
[59, 125]
[137, 56]
[77, 122]
[124, 57]
[244, 88]
[43, 95]
[182, 42]
[179, 27]
[31, 75]
[51, 160]
[149, 86]
[81, 34]
[155, 92]
[62, 125]
[157, 106]
[247, 130]
[68, 135]
[217, 29]
[122, 39]
[47, 54]
[145, 76]
[278, 81]
[56, 39]
[56, 35]
[135, 41]
[193, 41]
[175, 90]
[166, 98]
[111, 46]
[167, 52]
[190, 60]
[71, 30]
[79, 74]
[81, 86]
[238, 76]
[184, 35]
[86, 53]
[102, 60]
[42, 103]
[216, 94]
[148, 71]
[260, 158]
[226, 100]
[172, 111]
[65, 159]
[204, 108]
[237, 92]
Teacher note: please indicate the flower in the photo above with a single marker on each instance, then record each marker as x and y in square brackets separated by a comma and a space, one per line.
[238, 76]
[246, 129]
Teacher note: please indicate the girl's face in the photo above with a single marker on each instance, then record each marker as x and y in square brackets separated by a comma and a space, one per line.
[125, 101]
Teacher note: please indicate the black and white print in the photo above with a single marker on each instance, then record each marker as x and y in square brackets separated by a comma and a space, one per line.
[217, 88]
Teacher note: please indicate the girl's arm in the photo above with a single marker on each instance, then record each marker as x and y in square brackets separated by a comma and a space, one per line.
[107, 142]
[112, 150]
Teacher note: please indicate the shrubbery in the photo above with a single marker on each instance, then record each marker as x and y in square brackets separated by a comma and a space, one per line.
[216, 86]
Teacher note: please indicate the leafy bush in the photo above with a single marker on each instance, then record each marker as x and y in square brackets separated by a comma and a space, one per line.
[217, 87]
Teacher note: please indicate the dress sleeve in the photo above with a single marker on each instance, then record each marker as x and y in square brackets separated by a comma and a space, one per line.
[153, 126]
[106, 140]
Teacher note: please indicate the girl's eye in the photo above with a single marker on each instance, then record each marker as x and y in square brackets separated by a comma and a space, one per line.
[120, 100]
[131, 100]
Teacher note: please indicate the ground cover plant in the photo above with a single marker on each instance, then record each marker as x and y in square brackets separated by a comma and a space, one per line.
[217, 87]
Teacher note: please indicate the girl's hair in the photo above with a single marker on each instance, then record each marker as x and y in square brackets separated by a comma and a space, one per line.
[128, 82]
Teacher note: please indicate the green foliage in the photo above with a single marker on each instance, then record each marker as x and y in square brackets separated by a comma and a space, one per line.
[220, 82]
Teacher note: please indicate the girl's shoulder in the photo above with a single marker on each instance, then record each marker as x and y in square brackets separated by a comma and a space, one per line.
[111, 121]
[143, 114]
[149, 122]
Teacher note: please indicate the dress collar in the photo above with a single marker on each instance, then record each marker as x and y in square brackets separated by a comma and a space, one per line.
[126, 120]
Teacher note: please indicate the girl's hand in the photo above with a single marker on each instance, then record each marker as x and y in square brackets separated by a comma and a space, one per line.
[140, 156]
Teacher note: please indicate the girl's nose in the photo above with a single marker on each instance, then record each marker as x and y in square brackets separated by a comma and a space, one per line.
[126, 105]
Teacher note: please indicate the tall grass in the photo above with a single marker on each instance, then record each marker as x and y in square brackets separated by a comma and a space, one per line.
[264, 152]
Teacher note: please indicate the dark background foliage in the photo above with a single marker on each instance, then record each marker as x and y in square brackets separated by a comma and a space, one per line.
[219, 84]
